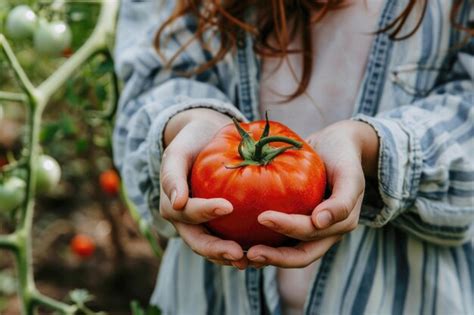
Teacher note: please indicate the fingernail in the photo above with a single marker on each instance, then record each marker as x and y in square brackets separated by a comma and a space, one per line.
[220, 211]
[236, 265]
[324, 219]
[228, 257]
[269, 223]
[259, 259]
[173, 197]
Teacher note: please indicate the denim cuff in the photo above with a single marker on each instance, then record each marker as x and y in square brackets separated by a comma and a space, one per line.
[399, 167]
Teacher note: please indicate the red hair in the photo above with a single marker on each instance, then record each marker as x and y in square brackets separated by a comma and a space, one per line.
[274, 18]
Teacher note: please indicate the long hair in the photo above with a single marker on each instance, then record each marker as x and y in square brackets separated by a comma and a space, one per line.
[280, 20]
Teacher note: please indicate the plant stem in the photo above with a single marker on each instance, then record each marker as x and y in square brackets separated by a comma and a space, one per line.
[14, 97]
[37, 99]
[98, 41]
[20, 74]
[9, 241]
[40, 299]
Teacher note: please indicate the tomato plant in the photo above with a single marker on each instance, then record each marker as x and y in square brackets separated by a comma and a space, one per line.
[83, 245]
[110, 182]
[257, 167]
[52, 38]
[21, 22]
[12, 194]
[48, 174]
[35, 93]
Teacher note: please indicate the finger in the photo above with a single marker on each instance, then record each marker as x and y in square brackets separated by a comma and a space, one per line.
[196, 210]
[299, 256]
[241, 264]
[204, 244]
[347, 188]
[297, 226]
[342, 227]
[220, 262]
[257, 265]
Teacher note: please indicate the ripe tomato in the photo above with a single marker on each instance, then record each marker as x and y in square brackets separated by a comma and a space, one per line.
[52, 38]
[257, 167]
[3, 161]
[21, 22]
[82, 245]
[12, 193]
[67, 52]
[110, 182]
[48, 174]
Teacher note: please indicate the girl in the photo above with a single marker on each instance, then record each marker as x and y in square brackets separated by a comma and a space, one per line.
[383, 90]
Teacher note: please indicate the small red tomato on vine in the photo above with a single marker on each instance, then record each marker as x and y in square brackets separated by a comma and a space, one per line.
[67, 52]
[257, 167]
[82, 245]
[110, 182]
[3, 161]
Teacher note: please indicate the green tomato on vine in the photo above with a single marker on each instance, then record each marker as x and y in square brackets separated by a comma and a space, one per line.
[48, 174]
[52, 38]
[21, 22]
[12, 194]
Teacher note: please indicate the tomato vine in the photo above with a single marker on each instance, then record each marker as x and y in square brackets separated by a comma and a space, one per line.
[36, 99]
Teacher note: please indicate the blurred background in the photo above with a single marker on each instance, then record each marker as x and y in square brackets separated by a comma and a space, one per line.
[83, 235]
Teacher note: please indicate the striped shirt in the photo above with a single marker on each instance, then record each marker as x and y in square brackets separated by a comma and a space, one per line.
[412, 254]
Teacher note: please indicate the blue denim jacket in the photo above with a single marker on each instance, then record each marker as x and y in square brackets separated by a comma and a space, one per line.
[412, 254]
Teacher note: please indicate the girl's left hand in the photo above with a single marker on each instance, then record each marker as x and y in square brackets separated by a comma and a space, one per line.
[350, 152]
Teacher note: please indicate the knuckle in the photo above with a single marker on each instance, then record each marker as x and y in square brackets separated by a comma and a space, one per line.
[314, 236]
[209, 249]
[165, 214]
[352, 225]
[305, 262]
[345, 209]
[166, 179]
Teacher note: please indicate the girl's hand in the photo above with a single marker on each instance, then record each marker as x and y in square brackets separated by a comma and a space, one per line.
[350, 151]
[186, 135]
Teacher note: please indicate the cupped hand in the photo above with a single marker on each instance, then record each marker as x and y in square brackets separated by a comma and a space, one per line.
[348, 149]
[186, 213]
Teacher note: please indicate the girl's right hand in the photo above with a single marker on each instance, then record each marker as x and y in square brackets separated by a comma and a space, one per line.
[187, 214]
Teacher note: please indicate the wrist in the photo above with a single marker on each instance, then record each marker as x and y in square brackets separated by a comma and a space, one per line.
[368, 141]
[213, 119]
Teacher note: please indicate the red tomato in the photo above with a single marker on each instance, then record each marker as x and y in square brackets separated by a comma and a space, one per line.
[82, 245]
[3, 161]
[287, 176]
[68, 52]
[110, 182]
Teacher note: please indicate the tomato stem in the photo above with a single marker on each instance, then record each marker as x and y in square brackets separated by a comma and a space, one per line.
[260, 152]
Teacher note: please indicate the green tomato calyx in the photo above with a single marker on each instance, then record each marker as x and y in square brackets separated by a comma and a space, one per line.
[260, 152]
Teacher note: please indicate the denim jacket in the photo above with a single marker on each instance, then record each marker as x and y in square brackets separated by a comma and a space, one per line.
[411, 254]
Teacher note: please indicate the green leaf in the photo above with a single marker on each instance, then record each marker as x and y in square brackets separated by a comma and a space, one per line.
[101, 92]
[81, 145]
[104, 67]
[67, 126]
[80, 296]
[71, 96]
[48, 132]
[138, 310]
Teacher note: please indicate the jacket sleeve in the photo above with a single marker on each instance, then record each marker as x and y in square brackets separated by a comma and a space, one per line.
[155, 91]
[426, 163]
